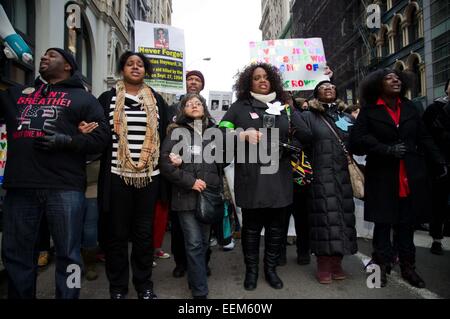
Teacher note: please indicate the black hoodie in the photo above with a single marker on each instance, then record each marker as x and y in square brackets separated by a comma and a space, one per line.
[59, 107]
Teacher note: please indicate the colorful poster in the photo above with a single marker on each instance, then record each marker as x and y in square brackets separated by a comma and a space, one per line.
[301, 62]
[3, 147]
[163, 45]
[219, 103]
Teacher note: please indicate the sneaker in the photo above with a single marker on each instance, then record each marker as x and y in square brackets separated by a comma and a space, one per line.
[162, 255]
[43, 259]
[436, 248]
[230, 246]
[147, 294]
[212, 242]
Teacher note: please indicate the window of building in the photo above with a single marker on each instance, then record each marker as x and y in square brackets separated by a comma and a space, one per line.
[22, 16]
[398, 35]
[440, 11]
[441, 58]
[385, 46]
[413, 29]
[416, 89]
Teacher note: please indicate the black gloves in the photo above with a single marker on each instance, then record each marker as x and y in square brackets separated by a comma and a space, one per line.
[53, 141]
[397, 150]
[441, 171]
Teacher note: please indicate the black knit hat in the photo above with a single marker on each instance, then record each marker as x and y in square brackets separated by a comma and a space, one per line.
[68, 57]
[316, 89]
[196, 73]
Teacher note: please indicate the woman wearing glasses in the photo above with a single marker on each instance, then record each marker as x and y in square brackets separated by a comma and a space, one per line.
[190, 174]
[332, 219]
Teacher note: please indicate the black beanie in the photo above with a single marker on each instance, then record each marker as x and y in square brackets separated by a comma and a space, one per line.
[197, 73]
[68, 57]
[316, 89]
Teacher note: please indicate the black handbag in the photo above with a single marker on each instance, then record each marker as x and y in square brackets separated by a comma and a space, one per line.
[210, 205]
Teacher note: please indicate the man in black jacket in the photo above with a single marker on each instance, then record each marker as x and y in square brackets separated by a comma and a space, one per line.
[45, 172]
[437, 120]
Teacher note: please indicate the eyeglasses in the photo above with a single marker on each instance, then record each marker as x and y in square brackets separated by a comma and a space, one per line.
[327, 86]
[191, 104]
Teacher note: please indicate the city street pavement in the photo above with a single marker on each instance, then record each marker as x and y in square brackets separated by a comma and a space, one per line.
[299, 281]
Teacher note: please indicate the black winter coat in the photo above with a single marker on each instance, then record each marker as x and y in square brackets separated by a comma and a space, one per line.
[437, 121]
[332, 208]
[104, 179]
[373, 132]
[254, 190]
[182, 178]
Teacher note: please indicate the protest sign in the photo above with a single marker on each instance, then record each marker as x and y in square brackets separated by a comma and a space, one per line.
[219, 103]
[163, 45]
[301, 62]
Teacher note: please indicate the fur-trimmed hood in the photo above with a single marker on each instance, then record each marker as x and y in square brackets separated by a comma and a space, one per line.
[316, 105]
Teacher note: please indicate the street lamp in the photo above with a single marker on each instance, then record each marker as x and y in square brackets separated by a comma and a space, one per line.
[198, 60]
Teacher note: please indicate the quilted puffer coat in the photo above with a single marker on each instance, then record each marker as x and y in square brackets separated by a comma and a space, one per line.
[332, 216]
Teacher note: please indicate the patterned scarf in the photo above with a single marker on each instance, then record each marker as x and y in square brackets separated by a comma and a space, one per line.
[148, 158]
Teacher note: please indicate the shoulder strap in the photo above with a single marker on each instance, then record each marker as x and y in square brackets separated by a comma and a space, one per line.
[335, 134]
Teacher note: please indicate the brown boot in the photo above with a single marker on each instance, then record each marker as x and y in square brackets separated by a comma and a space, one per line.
[324, 269]
[90, 271]
[337, 272]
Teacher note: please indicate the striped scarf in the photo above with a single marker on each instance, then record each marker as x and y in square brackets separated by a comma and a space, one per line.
[148, 158]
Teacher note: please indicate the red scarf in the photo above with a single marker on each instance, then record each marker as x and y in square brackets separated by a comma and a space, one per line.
[403, 178]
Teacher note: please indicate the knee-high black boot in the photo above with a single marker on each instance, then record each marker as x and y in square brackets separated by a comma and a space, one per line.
[273, 240]
[250, 247]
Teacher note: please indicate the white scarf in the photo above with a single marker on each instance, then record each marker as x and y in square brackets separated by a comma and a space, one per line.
[264, 98]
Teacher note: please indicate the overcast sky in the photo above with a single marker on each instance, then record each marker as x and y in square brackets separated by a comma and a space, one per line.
[220, 30]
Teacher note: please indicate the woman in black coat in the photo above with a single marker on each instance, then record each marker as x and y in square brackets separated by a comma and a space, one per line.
[129, 180]
[390, 132]
[262, 190]
[190, 173]
[332, 219]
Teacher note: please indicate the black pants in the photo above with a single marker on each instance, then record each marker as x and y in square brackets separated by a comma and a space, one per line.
[440, 209]
[253, 221]
[299, 209]
[177, 241]
[131, 218]
[383, 248]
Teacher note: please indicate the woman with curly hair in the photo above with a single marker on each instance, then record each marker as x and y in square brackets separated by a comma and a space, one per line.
[391, 133]
[263, 198]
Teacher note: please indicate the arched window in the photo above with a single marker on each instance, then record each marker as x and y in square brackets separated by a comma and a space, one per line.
[413, 29]
[385, 46]
[398, 35]
[21, 14]
[414, 67]
[77, 41]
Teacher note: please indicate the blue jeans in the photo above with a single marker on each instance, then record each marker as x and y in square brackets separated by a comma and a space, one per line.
[89, 238]
[23, 211]
[196, 243]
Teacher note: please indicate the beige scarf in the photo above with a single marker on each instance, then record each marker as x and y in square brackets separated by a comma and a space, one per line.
[148, 159]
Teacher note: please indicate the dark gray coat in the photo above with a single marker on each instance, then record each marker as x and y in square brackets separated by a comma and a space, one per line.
[332, 216]
[182, 178]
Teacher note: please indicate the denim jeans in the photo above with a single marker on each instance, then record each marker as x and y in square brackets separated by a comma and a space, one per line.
[23, 211]
[89, 238]
[196, 242]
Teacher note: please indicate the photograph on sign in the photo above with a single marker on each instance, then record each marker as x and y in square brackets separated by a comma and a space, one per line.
[164, 46]
[219, 103]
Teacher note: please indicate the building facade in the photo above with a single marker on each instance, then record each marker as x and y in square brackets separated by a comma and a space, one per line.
[341, 36]
[274, 19]
[400, 43]
[437, 46]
